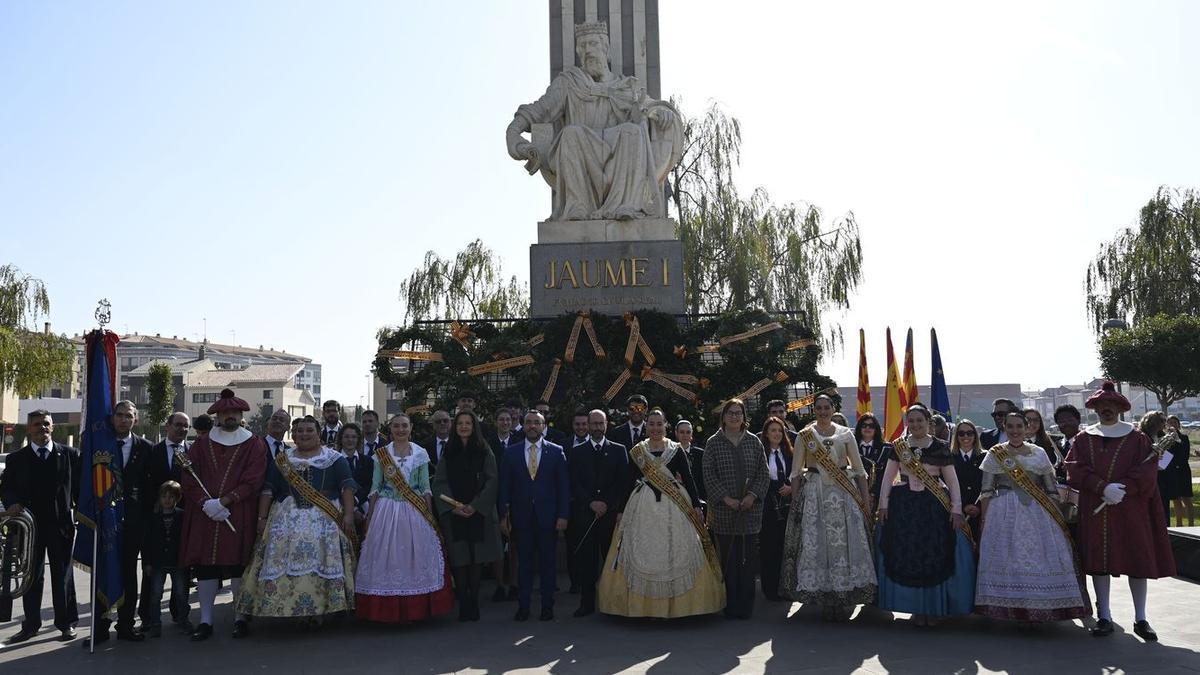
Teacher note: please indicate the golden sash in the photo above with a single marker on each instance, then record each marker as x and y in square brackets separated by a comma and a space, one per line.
[814, 446]
[661, 481]
[314, 497]
[395, 478]
[1022, 479]
[912, 461]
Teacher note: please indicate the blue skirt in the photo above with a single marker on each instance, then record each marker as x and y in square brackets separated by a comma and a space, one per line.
[952, 587]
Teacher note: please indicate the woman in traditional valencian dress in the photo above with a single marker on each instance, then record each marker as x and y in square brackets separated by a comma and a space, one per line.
[403, 575]
[661, 562]
[924, 560]
[827, 551]
[468, 475]
[1027, 562]
[303, 564]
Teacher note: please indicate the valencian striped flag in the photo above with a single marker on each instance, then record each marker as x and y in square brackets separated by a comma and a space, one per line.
[100, 509]
[910, 374]
[939, 396]
[893, 401]
[864, 385]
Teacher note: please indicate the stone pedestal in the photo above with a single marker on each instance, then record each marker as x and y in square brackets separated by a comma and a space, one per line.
[575, 231]
[610, 266]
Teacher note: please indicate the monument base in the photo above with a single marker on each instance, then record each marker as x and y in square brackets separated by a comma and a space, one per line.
[587, 231]
[609, 277]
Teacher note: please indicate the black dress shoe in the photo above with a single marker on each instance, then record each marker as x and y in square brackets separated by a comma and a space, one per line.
[67, 634]
[546, 615]
[1143, 630]
[522, 614]
[241, 629]
[583, 611]
[21, 636]
[202, 632]
[100, 637]
[130, 635]
[1103, 627]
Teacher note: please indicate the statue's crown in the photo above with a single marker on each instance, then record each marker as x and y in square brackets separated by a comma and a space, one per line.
[591, 28]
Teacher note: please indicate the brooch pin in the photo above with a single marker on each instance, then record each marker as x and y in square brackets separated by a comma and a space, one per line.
[1010, 463]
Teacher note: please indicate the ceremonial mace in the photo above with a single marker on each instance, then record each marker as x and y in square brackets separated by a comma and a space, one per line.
[183, 460]
[1160, 446]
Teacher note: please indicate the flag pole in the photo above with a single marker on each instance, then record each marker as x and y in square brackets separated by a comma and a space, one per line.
[92, 627]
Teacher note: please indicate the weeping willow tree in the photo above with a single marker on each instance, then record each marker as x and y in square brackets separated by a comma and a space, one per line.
[1150, 270]
[30, 359]
[472, 286]
[748, 251]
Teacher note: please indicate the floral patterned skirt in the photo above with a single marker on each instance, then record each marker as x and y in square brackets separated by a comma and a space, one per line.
[303, 566]
[827, 551]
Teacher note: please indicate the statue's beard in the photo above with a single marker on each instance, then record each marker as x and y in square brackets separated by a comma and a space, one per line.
[595, 67]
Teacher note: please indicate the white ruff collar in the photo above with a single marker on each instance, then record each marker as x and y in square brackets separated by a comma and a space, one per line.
[1118, 430]
[219, 435]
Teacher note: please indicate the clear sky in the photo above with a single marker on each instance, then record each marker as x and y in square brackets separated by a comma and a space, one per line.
[277, 168]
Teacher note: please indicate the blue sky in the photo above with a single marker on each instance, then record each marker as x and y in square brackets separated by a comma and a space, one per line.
[277, 168]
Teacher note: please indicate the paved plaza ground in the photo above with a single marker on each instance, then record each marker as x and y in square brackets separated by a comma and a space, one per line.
[781, 638]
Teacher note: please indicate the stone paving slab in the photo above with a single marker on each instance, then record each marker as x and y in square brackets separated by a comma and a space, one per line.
[781, 638]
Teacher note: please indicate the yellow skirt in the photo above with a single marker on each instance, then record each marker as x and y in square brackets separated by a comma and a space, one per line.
[653, 538]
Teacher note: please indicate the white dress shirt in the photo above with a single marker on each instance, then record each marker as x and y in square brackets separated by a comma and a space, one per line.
[126, 449]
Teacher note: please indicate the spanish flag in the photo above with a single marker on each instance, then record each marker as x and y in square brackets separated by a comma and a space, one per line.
[864, 386]
[909, 384]
[894, 403]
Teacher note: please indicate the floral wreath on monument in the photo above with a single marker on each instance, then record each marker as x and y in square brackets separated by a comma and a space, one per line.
[689, 368]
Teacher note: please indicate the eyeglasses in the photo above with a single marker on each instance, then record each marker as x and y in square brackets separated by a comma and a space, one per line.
[966, 433]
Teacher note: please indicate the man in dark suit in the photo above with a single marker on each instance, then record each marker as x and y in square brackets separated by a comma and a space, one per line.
[632, 432]
[599, 474]
[501, 435]
[277, 428]
[43, 477]
[160, 468]
[534, 503]
[436, 444]
[132, 457]
[990, 437]
[552, 434]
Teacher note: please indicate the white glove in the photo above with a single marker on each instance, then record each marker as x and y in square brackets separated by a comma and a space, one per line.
[1114, 493]
[212, 509]
[224, 514]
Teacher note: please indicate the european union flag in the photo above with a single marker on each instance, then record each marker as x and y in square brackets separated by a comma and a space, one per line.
[939, 396]
[101, 508]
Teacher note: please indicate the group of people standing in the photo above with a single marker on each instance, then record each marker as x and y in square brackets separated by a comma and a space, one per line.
[347, 521]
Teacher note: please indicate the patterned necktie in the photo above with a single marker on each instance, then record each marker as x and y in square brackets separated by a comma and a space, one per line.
[171, 456]
[779, 470]
[44, 453]
[533, 461]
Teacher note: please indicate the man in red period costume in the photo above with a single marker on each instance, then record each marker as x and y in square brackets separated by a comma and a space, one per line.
[230, 463]
[1121, 524]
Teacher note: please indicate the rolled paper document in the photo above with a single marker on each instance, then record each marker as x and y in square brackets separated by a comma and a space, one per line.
[451, 501]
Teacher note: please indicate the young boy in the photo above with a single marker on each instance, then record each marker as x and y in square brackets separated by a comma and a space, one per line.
[160, 559]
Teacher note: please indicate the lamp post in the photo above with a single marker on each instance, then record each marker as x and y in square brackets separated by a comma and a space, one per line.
[1116, 324]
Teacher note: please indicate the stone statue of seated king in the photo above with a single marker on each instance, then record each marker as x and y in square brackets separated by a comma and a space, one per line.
[604, 146]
